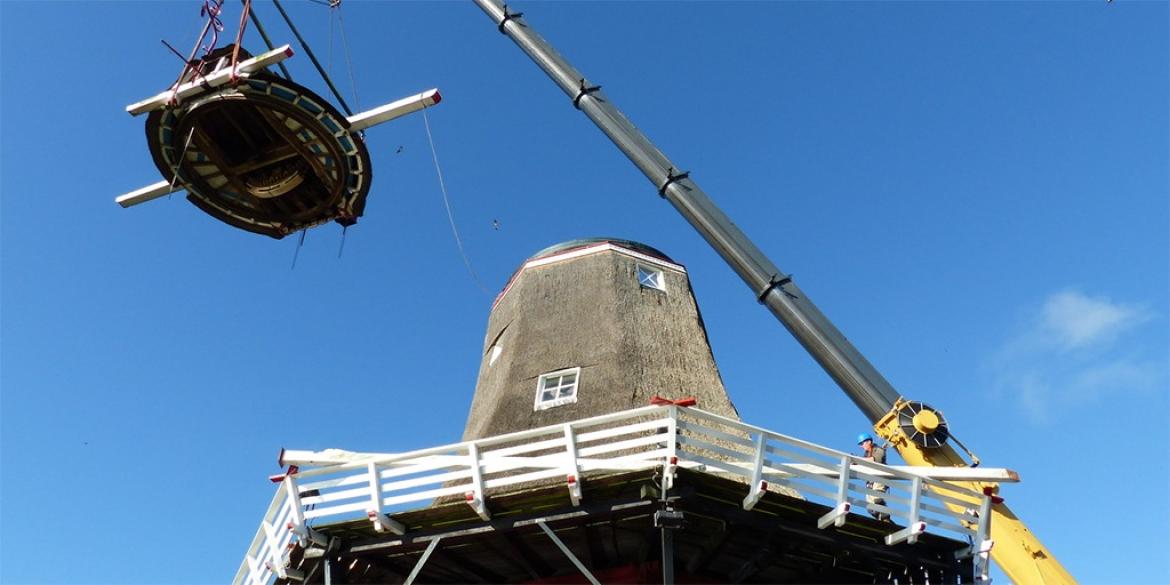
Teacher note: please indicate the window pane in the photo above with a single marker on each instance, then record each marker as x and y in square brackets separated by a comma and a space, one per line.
[650, 278]
[557, 389]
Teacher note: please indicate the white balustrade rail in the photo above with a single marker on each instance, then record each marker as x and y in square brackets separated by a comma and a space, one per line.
[373, 486]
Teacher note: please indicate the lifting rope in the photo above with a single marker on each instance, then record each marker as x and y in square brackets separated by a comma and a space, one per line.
[447, 204]
[240, 37]
[211, 9]
[335, 7]
[312, 57]
[267, 41]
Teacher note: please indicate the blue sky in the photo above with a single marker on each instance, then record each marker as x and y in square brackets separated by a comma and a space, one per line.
[975, 193]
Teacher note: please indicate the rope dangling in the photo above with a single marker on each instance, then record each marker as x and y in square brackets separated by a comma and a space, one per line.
[447, 204]
[297, 252]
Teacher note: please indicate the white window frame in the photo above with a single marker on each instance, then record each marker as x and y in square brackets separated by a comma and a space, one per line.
[656, 279]
[539, 404]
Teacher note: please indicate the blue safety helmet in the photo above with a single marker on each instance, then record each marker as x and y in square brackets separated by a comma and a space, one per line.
[863, 437]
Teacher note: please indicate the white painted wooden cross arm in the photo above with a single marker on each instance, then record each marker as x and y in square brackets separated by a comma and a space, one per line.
[214, 79]
[393, 110]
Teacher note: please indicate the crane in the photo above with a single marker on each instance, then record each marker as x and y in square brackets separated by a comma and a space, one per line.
[918, 431]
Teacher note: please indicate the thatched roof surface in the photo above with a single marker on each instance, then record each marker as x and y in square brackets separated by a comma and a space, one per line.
[590, 312]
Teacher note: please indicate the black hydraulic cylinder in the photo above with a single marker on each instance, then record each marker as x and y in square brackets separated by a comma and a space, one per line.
[848, 368]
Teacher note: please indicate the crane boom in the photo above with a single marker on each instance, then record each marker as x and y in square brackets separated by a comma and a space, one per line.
[860, 380]
[908, 426]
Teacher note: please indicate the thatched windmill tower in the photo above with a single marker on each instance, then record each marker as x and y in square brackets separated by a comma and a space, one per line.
[645, 494]
[589, 327]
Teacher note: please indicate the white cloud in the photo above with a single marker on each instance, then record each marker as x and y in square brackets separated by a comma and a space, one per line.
[1073, 320]
[1075, 350]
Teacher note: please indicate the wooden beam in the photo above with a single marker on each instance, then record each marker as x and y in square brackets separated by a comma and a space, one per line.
[148, 193]
[510, 556]
[213, 79]
[594, 548]
[480, 573]
[994, 474]
[528, 555]
[752, 565]
[711, 547]
[392, 110]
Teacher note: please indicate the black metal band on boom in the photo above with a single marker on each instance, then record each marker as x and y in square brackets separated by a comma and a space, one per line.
[584, 91]
[671, 178]
[508, 16]
[776, 282]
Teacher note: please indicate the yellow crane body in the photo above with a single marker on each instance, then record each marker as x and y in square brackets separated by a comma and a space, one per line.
[1017, 551]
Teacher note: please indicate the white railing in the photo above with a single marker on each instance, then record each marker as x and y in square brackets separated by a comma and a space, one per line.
[355, 485]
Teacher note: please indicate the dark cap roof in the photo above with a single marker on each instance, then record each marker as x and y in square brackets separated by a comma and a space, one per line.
[584, 242]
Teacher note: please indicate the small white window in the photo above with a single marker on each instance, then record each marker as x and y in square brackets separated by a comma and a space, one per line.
[557, 388]
[650, 278]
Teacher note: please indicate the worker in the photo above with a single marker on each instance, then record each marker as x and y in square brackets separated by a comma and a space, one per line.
[876, 454]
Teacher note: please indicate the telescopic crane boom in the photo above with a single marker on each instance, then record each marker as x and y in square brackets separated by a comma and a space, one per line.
[918, 431]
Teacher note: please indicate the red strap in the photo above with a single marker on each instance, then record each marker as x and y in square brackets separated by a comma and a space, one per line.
[292, 470]
[660, 401]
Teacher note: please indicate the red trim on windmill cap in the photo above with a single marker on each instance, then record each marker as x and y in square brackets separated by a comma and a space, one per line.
[438, 97]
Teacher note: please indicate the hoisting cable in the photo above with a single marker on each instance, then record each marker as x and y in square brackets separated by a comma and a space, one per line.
[313, 58]
[240, 37]
[267, 41]
[336, 5]
[211, 9]
[447, 204]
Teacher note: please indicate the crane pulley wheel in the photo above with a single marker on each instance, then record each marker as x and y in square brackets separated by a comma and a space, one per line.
[923, 425]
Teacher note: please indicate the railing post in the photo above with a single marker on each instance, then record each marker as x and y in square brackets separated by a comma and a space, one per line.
[297, 525]
[757, 487]
[669, 469]
[275, 560]
[382, 522]
[572, 471]
[983, 541]
[836, 516]
[476, 497]
[914, 526]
